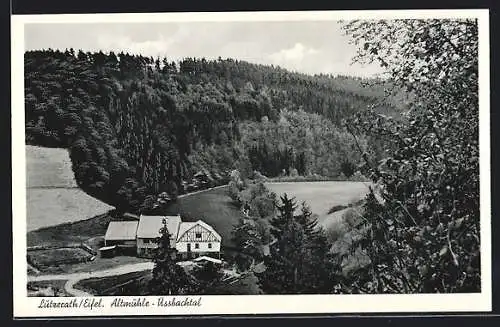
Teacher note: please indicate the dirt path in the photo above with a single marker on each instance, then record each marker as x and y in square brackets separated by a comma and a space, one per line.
[201, 191]
[68, 287]
[74, 278]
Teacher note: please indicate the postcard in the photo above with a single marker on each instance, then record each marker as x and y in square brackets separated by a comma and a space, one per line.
[222, 163]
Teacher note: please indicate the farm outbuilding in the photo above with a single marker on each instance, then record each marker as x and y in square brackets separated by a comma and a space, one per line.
[108, 251]
[148, 231]
[121, 234]
[208, 259]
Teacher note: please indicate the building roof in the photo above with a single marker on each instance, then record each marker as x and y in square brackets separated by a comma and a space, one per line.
[149, 226]
[130, 215]
[205, 258]
[105, 248]
[121, 230]
[185, 226]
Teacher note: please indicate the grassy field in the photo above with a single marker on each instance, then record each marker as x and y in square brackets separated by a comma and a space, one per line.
[95, 265]
[322, 196]
[48, 167]
[52, 197]
[49, 257]
[214, 207]
[49, 207]
[72, 232]
[126, 284]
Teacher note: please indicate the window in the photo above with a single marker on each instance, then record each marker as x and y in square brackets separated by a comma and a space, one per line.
[198, 235]
[209, 245]
[196, 246]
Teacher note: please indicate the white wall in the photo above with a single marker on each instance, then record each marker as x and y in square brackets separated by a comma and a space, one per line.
[182, 247]
[149, 245]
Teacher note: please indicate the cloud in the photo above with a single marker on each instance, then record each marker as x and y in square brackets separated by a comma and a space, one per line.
[123, 43]
[307, 47]
[293, 57]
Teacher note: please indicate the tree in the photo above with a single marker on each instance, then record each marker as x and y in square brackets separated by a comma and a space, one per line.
[298, 262]
[209, 278]
[422, 226]
[168, 277]
[144, 129]
[347, 168]
[236, 184]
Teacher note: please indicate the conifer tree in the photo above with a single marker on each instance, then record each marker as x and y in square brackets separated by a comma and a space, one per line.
[299, 262]
[168, 277]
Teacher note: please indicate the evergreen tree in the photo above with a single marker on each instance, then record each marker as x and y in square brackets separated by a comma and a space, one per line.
[209, 278]
[299, 261]
[248, 240]
[168, 277]
[285, 215]
[142, 129]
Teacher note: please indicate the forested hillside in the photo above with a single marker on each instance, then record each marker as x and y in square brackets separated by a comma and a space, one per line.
[139, 126]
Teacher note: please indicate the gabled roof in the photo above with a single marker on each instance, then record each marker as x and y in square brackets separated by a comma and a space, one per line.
[121, 230]
[105, 248]
[149, 226]
[186, 226]
[205, 258]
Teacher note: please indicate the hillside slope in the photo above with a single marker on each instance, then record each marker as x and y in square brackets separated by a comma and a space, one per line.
[136, 127]
[48, 167]
[52, 197]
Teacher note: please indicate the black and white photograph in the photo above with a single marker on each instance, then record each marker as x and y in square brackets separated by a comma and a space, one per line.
[169, 158]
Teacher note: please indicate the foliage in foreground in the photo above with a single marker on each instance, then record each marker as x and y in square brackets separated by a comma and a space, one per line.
[251, 235]
[168, 277]
[421, 226]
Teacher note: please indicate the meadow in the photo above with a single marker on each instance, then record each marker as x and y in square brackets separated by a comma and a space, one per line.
[52, 197]
[48, 167]
[322, 196]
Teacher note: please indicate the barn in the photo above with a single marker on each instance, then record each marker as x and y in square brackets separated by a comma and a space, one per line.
[148, 231]
[121, 233]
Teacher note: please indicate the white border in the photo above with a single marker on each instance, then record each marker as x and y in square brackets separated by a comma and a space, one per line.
[253, 304]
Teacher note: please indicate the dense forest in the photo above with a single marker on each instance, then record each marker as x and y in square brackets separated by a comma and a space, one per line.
[140, 126]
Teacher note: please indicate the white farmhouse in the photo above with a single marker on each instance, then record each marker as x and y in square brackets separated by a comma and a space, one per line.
[190, 239]
[196, 239]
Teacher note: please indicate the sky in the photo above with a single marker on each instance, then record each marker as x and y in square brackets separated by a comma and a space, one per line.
[311, 47]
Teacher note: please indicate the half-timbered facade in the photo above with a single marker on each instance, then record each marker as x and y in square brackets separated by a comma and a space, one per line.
[198, 239]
